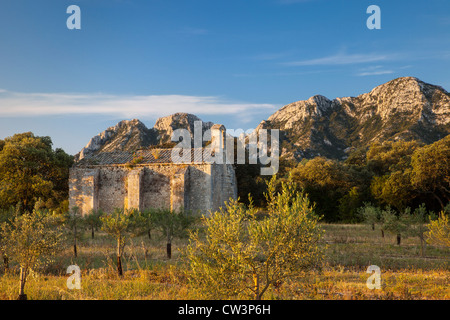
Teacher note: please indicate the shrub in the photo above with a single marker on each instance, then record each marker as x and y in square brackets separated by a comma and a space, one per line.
[244, 255]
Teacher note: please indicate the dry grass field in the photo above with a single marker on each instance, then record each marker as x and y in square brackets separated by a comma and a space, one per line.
[350, 249]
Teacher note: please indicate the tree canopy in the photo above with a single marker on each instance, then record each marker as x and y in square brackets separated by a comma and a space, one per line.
[31, 170]
[244, 254]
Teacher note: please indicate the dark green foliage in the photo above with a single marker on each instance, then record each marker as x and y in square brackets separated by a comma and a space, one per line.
[171, 224]
[336, 189]
[31, 170]
[92, 221]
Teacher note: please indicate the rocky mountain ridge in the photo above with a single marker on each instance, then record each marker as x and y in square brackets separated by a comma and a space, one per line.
[404, 108]
[130, 135]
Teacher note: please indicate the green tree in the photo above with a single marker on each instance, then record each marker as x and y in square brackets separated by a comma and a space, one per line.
[370, 214]
[394, 189]
[326, 182]
[31, 240]
[390, 156]
[73, 220]
[349, 205]
[244, 254]
[92, 221]
[431, 170]
[439, 231]
[416, 225]
[117, 225]
[146, 222]
[390, 163]
[30, 169]
[171, 224]
[396, 224]
[6, 217]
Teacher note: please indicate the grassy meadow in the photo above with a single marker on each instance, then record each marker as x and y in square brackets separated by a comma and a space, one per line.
[148, 274]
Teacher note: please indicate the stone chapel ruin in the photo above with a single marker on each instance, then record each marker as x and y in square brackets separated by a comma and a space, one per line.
[148, 178]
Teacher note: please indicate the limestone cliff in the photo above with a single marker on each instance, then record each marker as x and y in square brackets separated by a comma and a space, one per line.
[404, 108]
[130, 135]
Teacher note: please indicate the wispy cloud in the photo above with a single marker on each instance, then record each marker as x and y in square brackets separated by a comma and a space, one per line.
[15, 104]
[341, 59]
[374, 71]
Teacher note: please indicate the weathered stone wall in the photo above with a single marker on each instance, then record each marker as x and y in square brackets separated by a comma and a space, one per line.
[134, 188]
[179, 190]
[156, 189]
[200, 189]
[224, 185]
[85, 193]
[112, 186]
[197, 187]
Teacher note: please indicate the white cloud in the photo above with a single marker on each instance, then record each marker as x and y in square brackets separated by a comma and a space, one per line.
[375, 73]
[341, 59]
[15, 104]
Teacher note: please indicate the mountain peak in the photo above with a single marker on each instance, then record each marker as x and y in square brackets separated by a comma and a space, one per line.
[403, 108]
[129, 135]
[175, 120]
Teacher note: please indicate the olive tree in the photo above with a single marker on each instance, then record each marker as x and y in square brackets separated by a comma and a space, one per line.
[171, 224]
[244, 253]
[416, 225]
[31, 240]
[6, 217]
[117, 225]
[395, 224]
[143, 224]
[73, 221]
[371, 215]
[92, 221]
[439, 231]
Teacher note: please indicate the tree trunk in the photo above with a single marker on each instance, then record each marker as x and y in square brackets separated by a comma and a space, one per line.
[23, 279]
[75, 254]
[145, 253]
[373, 226]
[169, 250]
[92, 230]
[422, 251]
[382, 233]
[169, 245]
[438, 199]
[119, 266]
[119, 257]
[6, 261]
[149, 234]
[399, 238]
[256, 289]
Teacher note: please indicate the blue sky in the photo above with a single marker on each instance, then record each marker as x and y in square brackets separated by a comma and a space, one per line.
[233, 62]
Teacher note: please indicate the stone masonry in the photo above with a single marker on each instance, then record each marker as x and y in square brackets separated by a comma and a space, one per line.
[149, 179]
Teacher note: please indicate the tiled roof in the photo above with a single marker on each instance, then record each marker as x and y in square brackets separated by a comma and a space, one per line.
[146, 156]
